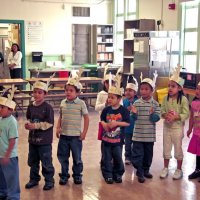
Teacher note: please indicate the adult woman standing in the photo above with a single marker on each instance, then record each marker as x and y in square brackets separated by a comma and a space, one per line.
[14, 61]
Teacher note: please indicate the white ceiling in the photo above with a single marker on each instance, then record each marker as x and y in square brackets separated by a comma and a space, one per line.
[70, 1]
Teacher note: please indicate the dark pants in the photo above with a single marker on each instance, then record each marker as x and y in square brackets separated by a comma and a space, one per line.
[142, 155]
[65, 145]
[198, 162]
[15, 73]
[113, 165]
[9, 180]
[41, 153]
[128, 146]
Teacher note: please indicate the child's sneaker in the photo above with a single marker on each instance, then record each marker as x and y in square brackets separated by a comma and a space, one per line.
[164, 173]
[141, 179]
[178, 174]
[127, 162]
[109, 180]
[31, 184]
[195, 174]
[118, 179]
[78, 180]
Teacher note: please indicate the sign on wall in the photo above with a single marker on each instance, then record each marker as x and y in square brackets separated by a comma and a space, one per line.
[34, 32]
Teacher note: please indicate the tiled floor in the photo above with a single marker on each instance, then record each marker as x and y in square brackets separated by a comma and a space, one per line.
[94, 187]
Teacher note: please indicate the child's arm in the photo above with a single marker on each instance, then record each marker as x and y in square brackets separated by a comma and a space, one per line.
[133, 112]
[114, 124]
[191, 123]
[100, 105]
[5, 160]
[85, 126]
[58, 127]
[155, 114]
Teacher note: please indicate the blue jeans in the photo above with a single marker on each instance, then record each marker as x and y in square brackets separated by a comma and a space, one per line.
[113, 165]
[9, 180]
[41, 153]
[65, 145]
[142, 155]
[128, 144]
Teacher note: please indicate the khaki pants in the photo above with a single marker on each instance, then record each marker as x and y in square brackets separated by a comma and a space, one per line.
[173, 137]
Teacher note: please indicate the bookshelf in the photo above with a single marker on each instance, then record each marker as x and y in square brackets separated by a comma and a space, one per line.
[130, 26]
[103, 52]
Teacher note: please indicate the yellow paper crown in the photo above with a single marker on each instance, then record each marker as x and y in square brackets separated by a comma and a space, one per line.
[176, 76]
[75, 80]
[7, 101]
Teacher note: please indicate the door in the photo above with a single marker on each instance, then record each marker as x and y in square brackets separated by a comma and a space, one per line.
[81, 34]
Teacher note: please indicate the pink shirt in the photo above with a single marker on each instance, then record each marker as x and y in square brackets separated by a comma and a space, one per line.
[195, 105]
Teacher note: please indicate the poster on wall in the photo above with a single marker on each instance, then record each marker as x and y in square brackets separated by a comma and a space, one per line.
[34, 32]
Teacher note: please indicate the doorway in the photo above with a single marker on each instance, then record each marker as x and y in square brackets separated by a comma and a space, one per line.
[81, 45]
[3, 39]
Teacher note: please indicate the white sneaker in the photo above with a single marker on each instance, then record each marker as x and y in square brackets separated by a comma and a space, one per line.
[178, 174]
[164, 173]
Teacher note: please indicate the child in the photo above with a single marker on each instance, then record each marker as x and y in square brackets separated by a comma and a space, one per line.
[130, 94]
[194, 145]
[9, 169]
[40, 116]
[113, 119]
[174, 110]
[146, 112]
[69, 131]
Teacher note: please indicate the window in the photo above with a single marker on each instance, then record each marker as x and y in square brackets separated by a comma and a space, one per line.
[190, 36]
[124, 10]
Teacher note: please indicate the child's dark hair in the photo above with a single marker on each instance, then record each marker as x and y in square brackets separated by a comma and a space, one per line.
[77, 90]
[104, 87]
[18, 49]
[179, 98]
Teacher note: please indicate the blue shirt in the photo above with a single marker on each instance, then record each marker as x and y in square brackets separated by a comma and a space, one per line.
[126, 104]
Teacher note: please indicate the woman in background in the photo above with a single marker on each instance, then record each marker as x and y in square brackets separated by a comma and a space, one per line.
[14, 61]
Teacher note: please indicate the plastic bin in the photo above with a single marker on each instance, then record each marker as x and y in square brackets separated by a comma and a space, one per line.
[161, 94]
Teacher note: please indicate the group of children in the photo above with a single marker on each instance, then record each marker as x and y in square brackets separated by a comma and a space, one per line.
[131, 120]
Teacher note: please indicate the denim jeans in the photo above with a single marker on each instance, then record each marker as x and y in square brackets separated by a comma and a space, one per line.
[128, 144]
[142, 155]
[9, 180]
[65, 145]
[113, 165]
[41, 153]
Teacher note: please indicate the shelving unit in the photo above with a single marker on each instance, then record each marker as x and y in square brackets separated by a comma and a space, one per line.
[130, 26]
[103, 52]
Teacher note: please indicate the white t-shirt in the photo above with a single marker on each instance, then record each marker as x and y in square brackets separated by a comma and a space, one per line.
[15, 59]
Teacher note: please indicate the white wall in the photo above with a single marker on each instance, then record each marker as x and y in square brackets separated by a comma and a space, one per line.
[57, 22]
[152, 9]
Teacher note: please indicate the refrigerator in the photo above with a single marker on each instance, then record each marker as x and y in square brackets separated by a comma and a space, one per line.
[155, 50]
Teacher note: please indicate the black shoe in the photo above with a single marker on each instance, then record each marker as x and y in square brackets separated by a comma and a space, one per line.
[148, 175]
[78, 180]
[194, 175]
[118, 179]
[48, 186]
[31, 184]
[109, 180]
[141, 179]
[63, 181]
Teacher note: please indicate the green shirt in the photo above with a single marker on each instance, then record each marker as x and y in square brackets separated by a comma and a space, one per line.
[181, 108]
[8, 130]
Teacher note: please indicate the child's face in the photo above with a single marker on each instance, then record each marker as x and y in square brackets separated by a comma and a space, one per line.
[173, 89]
[129, 93]
[198, 91]
[5, 111]
[39, 95]
[70, 92]
[113, 100]
[146, 91]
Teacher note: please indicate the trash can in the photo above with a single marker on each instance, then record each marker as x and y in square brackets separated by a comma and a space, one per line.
[93, 72]
[161, 94]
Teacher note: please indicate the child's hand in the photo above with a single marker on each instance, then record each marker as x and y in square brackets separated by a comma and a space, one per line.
[30, 126]
[134, 109]
[105, 126]
[188, 133]
[112, 124]
[58, 131]
[5, 161]
[151, 110]
[130, 107]
[82, 136]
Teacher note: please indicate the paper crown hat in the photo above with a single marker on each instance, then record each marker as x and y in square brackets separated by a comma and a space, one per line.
[117, 88]
[74, 79]
[107, 76]
[41, 85]
[132, 85]
[176, 76]
[7, 101]
[151, 82]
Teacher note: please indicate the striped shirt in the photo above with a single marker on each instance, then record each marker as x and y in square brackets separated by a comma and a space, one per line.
[145, 129]
[71, 115]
